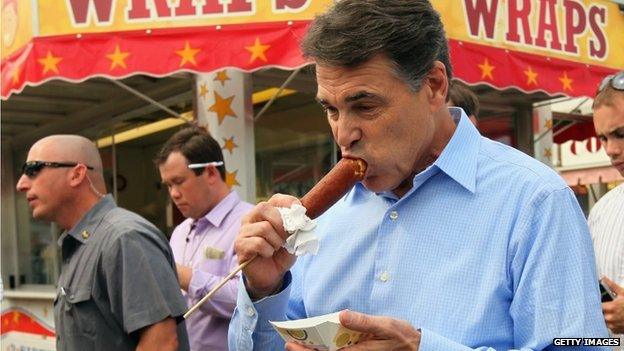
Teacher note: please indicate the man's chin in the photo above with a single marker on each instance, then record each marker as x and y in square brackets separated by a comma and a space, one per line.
[189, 214]
[183, 210]
[375, 185]
[40, 215]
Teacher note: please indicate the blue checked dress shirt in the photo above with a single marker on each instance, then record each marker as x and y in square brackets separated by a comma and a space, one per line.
[489, 250]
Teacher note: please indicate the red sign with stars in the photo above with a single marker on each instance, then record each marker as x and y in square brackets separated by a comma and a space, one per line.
[158, 53]
[21, 321]
[491, 41]
[502, 68]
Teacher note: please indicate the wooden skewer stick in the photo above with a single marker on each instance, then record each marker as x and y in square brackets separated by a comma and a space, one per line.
[323, 195]
[217, 287]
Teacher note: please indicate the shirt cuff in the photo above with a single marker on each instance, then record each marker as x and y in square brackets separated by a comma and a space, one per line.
[256, 315]
[430, 341]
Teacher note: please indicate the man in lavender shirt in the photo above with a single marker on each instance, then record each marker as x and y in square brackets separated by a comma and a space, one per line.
[191, 166]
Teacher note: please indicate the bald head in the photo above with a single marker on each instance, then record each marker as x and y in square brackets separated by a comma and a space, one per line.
[71, 148]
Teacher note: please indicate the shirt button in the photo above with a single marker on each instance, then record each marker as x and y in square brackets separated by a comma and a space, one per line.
[250, 311]
[384, 277]
[394, 215]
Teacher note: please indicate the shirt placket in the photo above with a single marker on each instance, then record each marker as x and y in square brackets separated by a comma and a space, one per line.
[383, 273]
[189, 248]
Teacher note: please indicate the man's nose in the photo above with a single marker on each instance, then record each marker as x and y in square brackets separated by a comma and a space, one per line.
[23, 184]
[174, 192]
[346, 133]
[614, 148]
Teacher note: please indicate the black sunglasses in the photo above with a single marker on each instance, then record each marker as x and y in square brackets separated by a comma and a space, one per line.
[616, 80]
[32, 168]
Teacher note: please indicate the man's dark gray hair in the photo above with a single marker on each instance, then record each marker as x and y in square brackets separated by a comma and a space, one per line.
[408, 32]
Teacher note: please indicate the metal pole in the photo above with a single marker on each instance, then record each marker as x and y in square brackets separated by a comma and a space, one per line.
[146, 98]
[56, 259]
[114, 163]
[579, 105]
[564, 128]
[546, 132]
[523, 119]
[553, 101]
[277, 93]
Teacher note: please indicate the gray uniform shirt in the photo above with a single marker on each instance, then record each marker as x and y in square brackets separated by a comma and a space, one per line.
[118, 276]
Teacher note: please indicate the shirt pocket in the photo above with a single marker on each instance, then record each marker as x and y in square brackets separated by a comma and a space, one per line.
[78, 314]
[214, 260]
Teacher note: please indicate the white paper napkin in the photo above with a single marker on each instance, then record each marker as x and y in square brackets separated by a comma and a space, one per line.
[302, 239]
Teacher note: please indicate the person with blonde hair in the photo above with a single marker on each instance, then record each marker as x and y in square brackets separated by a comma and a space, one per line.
[606, 219]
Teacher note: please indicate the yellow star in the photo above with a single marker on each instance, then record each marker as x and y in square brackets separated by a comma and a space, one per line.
[257, 51]
[548, 153]
[486, 69]
[16, 74]
[187, 54]
[203, 90]
[229, 144]
[531, 76]
[566, 81]
[222, 107]
[50, 62]
[16, 317]
[222, 77]
[548, 124]
[230, 178]
[118, 58]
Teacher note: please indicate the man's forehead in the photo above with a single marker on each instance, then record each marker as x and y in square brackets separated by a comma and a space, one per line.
[349, 96]
[175, 164]
[176, 157]
[373, 79]
[608, 118]
[41, 149]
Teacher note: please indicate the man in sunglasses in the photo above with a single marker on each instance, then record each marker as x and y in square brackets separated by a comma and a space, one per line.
[118, 287]
[606, 220]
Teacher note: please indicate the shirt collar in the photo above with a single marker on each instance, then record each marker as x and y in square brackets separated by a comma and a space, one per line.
[459, 158]
[87, 225]
[221, 210]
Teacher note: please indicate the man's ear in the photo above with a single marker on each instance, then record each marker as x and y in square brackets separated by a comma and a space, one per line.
[77, 175]
[212, 173]
[438, 84]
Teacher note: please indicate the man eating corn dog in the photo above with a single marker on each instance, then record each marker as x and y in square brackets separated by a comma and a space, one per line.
[450, 241]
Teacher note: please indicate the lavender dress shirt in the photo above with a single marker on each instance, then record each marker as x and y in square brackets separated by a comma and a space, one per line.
[207, 246]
